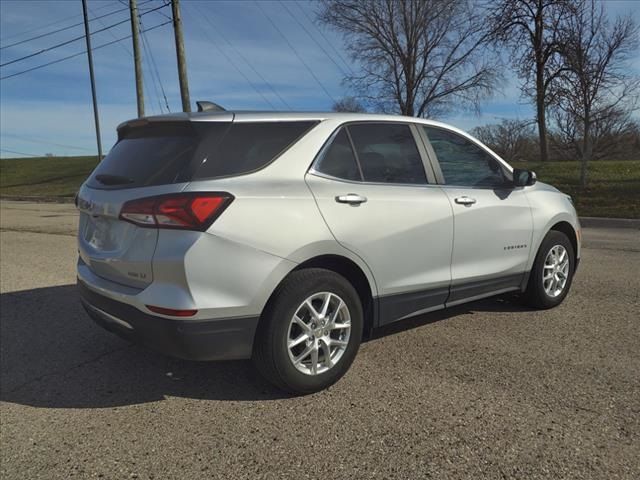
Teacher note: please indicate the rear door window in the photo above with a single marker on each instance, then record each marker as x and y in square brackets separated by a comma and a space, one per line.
[387, 153]
[338, 160]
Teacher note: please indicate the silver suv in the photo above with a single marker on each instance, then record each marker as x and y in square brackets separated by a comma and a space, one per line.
[287, 237]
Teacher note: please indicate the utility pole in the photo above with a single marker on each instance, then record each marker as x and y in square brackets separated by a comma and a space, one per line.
[87, 36]
[135, 35]
[182, 62]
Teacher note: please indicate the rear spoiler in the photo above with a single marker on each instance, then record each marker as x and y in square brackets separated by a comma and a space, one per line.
[210, 115]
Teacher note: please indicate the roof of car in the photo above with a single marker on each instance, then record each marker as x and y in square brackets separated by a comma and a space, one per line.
[273, 116]
[245, 115]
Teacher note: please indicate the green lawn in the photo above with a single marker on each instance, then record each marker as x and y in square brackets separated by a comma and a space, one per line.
[613, 191]
[47, 176]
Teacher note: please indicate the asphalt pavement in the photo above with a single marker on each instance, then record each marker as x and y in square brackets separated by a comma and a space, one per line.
[487, 390]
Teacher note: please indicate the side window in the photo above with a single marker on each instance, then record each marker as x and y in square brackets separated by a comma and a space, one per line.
[387, 153]
[338, 160]
[463, 162]
[250, 146]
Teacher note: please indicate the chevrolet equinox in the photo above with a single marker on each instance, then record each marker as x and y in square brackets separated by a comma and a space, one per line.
[287, 237]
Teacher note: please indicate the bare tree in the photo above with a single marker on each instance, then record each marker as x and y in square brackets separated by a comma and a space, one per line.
[416, 57]
[596, 89]
[531, 29]
[348, 104]
[615, 136]
[513, 140]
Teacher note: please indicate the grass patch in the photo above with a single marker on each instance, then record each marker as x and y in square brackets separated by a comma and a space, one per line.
[46, 176]
[613, 191]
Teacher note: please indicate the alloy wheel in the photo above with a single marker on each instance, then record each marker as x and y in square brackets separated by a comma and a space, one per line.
[555, 271]
[318, 333]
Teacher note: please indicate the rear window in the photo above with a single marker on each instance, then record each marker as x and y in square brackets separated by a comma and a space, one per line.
[160, 154]
[247, 147]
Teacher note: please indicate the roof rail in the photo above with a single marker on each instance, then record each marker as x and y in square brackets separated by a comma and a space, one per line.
[209, 107]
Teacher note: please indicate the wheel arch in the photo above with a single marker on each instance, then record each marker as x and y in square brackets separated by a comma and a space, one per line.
[566, 228]
[353, 273]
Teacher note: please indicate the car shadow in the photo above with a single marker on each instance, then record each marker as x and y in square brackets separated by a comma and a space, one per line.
[53, 356]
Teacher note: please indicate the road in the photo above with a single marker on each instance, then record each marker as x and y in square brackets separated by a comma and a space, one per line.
[487, 390]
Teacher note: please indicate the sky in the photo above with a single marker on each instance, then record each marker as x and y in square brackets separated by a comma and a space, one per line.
[240, 54]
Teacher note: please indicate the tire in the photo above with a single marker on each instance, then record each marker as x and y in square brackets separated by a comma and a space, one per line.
[540, 292]
[277, 329]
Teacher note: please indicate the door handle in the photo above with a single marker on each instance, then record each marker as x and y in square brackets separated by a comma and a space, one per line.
[464, 200]
[351, 199]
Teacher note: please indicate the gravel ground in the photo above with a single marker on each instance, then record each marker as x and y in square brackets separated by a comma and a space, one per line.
[489, 389]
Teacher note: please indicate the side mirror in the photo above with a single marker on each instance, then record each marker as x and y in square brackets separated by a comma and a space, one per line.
[523, 178]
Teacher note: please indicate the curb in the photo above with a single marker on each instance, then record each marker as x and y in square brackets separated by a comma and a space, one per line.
[36, 198]
[598, 222]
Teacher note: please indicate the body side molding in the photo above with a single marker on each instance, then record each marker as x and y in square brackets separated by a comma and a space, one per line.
[395, 307]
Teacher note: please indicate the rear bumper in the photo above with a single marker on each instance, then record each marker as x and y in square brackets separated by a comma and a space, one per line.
[201, 339]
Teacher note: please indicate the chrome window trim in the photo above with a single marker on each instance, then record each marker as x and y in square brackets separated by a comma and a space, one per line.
[316, 173]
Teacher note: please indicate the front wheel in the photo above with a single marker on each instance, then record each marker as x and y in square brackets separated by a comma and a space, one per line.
[310, 332]
[552, 271]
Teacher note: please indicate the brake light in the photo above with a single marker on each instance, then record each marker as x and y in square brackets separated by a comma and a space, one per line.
[187, 211]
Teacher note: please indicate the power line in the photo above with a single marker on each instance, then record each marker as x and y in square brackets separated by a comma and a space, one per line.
[313, 38]
[35, 29]
[65, 28]
[164, 14]
[19, 153]
[44, 142]
[147, 47]
[150, 73]
[68, 41]
[60, 45]
[114, 37]
[79, 53]
[337, 52]
[233, 64]
[244, 59]
[295, 52]
[166, 2]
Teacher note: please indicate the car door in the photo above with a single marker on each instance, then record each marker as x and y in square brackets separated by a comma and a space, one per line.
[370, 184]
[492, 219]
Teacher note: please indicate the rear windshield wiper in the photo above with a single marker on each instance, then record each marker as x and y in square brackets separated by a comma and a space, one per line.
[106, 179]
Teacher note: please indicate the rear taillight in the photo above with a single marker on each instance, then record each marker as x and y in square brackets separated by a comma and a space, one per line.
[187, 211]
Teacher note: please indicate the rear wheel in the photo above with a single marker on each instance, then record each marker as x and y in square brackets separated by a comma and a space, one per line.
[310, 332]
[552, 271]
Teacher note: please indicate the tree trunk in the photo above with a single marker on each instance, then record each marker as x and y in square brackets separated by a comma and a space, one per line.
[540, 112]
[587, 148]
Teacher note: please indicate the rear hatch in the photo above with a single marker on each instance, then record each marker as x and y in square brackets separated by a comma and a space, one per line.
[150, 158]
[160, 156]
